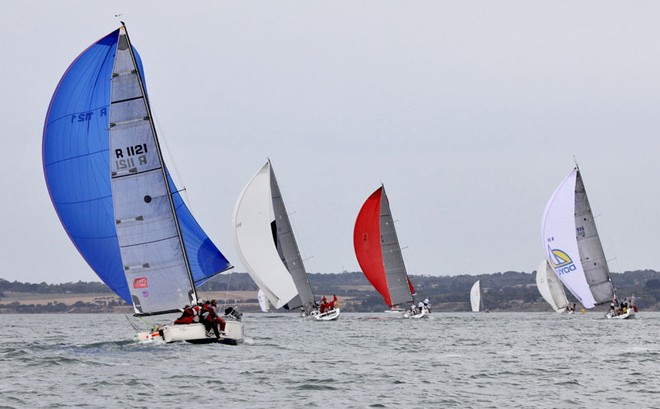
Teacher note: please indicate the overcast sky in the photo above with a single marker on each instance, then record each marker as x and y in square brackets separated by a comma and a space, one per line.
[470, 113]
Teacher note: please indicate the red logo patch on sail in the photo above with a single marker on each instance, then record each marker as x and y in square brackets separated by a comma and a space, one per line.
[140, 282]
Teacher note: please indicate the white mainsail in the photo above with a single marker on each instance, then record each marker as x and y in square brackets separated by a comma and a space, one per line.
[254, 241]
[147, 227]
[550, 287]
[572, 245]
[475, 296]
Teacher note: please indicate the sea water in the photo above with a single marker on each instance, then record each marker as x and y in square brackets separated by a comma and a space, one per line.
[456, 360]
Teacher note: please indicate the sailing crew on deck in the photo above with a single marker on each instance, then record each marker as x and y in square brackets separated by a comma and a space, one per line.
[427, 304]
[420, 306]
[218, 318]
[211, 320]
[331, 304]
[187, 316]
[613, 305]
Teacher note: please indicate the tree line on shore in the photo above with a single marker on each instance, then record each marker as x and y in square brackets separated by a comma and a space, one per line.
[507, 291]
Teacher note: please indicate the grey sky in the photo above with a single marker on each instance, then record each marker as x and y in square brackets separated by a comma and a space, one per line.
[469, 112]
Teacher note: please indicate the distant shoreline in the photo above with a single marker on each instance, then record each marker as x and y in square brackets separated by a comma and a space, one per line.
[106, 303]
[502, 292]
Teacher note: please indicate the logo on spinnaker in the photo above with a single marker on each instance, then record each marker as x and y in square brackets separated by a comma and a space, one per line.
[560, 261]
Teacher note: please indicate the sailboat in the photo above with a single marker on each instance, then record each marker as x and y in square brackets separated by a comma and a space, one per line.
[573, 248]
[267, 247]
[551, 288]
[475, 296]
[379, 254]
[114, 195]
[264, 305]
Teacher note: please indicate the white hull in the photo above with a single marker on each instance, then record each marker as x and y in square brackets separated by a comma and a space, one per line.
[416, 315]
[629, 314]
[327, 316]
[194, 333]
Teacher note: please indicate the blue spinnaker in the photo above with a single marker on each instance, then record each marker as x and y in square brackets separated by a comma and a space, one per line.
[77, 171]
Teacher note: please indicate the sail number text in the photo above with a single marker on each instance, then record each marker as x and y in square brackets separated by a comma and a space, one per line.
[87, 116]
[129, 156]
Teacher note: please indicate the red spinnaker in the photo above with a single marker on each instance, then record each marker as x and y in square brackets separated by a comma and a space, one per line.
[366, 239]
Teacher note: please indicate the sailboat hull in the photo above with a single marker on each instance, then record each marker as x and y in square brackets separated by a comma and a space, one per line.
[194, 333]
[416, 315]
[628, 315]
[328, 315]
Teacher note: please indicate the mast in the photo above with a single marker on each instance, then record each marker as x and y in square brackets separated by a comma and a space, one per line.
[193, 295]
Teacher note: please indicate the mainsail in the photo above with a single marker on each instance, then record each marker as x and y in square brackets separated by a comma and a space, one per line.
[378, 252]
[572, 245]
[264, 240]
[475, 296]
[550, 287]
[287, 248]
[110, 188]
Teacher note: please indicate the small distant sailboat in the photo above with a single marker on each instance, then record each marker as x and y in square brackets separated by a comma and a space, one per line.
[264, 305]
[114, 195]
[267, 247]
[475, 296]
[551, 288]
[379, 255]
[574, 250]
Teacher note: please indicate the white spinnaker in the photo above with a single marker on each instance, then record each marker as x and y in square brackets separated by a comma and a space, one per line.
[560, 242]
[475, 296]
[263, 301]
[550, 287]
[254, 240]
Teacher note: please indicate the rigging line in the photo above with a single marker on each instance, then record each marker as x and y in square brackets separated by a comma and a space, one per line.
[175, 174]
[224, 303]
[149, 324]
[135, 327]
[300, 241]
[606, 242]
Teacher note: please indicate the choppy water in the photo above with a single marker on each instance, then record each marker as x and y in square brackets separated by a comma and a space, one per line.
[458, 360]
